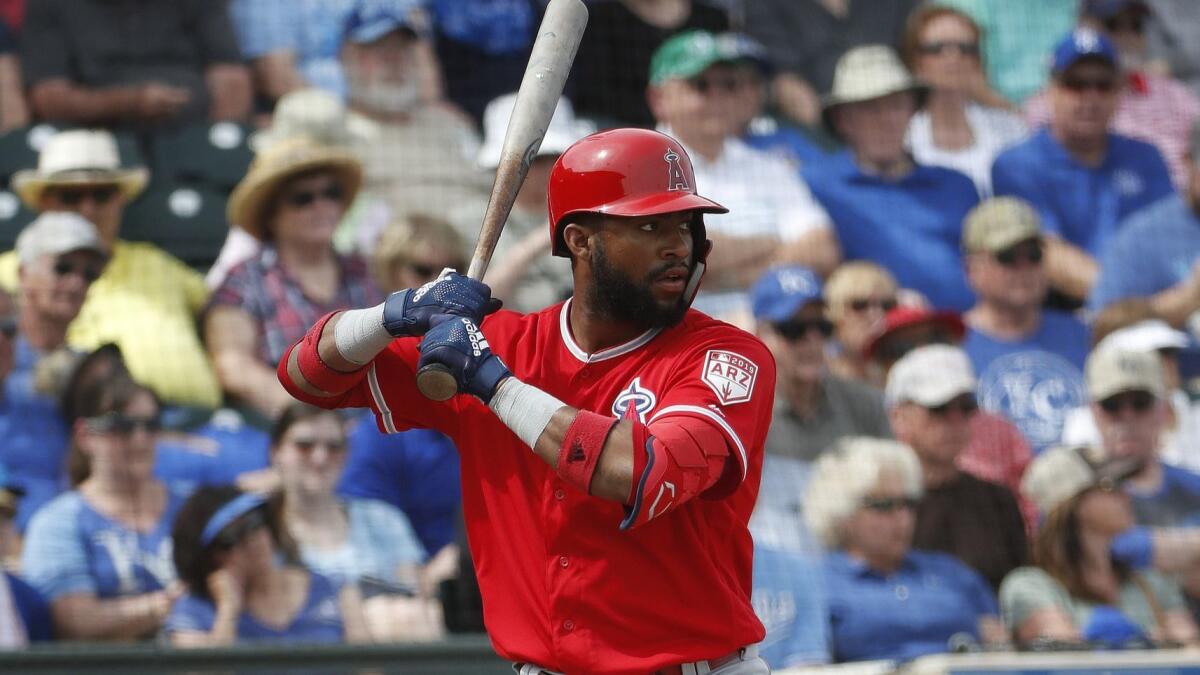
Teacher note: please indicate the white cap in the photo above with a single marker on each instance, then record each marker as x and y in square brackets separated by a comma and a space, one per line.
[55, 233]
[1145, 336]
[564, 129]
[1061, 472]
[1109, 372]
[930, 376]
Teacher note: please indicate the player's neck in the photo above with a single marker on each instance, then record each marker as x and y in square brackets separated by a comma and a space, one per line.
[593, 331]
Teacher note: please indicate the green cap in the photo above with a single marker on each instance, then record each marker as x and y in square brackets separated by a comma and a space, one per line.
[686, 55]
[998, 223]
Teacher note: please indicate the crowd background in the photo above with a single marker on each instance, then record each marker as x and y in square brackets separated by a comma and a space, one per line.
[966, 229]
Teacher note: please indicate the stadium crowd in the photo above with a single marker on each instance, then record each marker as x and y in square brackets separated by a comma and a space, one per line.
[967, 230]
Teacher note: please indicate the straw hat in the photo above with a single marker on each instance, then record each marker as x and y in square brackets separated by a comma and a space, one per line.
[280, 162]
[78, 157]
[866, 73]
[315, 113]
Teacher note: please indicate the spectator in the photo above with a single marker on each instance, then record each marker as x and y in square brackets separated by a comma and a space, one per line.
[1082, 178]
[996, 451]
[609, 77]
[418, 152]
[1180, 438]
[14, 109]
[858, 296]
[886, 600]
[1128, 395]
[60, 255]
[813, 408]
[1170, 47]
[942, 48]
[355, 541]
[1019, 37]
[523, 272]
[1029, 359]
[696, 80]
[243, 584]
[146, 301]
[886, 208]
[413, 251]
[291, 200]
[101, 553]
[1154, 252]
[138, 65]
[806, 38]
[1076, 592]
[931, 400]
[790, 601]
[1151, 106]
[24, 614]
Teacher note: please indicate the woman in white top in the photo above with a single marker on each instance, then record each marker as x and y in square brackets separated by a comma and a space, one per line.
[964, 123]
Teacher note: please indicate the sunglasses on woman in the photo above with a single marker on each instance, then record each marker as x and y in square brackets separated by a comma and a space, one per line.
[861, 305]
[798, 328]
[304, 198]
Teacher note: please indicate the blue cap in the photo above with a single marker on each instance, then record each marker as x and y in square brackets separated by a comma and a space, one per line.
[1083, 43]
[375, 18]
[231, 511]
[782, 290]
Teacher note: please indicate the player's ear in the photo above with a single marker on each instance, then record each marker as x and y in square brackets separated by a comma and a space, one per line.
[578, 238]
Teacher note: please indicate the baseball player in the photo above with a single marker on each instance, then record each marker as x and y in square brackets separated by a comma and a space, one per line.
[611, 445]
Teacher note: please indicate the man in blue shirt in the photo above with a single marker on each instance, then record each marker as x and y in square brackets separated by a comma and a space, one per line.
[1154, 253]
[885, 207]
[1029, 360]
[1081, 178]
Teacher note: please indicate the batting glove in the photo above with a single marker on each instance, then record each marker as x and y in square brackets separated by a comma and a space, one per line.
[407, 313]
[457, 343]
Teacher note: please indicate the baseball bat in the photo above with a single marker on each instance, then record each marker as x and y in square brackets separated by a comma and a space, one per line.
[545, 76]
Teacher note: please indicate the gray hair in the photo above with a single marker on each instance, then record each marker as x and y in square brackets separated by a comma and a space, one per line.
[842, 477]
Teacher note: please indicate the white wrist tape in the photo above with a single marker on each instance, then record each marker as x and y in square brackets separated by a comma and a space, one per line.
[524, 408]
[359, 334]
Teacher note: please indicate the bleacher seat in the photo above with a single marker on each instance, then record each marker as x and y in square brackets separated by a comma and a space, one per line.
[216, 154]
[186, 219]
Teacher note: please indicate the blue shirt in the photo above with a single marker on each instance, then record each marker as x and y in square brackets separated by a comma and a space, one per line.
[784, 142]
[1176, 503]
[789, 598]
[32, 608]
[35, 437]
[72, 548]
[491, 26]
[1083, 205]
[311, 30]
[911, 226]
[318, 621]
[1153, 250]
[381, 540]
[215, 453]
[416, 471]
[910, 613]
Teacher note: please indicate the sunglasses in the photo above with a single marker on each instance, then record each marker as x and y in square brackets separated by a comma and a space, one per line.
[238, 530]
[8, 326]
[90, 273]
[966, 405]
[302, 199]
[123, 425]
[890, 504]
[728, 84]
[798, 328]
[936, 48]
[1078, 85]
[1013, 255]
[863, 304]
[75, 196]
[893, 350]
[1138, 401]
[307, 445]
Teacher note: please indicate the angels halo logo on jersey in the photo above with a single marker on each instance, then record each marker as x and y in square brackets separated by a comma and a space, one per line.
[641, 400]
[730, 375]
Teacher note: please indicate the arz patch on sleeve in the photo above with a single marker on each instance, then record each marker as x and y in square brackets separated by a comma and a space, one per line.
[730, 375]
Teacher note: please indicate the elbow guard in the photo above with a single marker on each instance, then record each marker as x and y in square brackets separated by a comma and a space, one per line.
[316, 373]
[673, 463]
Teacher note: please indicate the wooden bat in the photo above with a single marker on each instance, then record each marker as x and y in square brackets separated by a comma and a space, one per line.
[545, 76]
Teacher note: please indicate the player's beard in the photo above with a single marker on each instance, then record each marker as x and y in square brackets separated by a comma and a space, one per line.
[617, 296]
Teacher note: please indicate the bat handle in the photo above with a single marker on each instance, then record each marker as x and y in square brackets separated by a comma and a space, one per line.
[435, 382]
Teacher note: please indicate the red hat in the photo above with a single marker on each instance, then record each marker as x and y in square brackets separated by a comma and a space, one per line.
[904, 316]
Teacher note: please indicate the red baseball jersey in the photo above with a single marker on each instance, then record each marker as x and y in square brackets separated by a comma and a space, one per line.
[563, 587]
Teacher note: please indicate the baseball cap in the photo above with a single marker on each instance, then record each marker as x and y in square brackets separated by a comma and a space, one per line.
[55, 233]
[930, 376]
[782, 291]
[376, 18]
[1079, 44]
[1111, 371]
[1061, 472]
[1145, 336]
[904, 316]
[998, 223]
[688, 54]
[561, 133]
[1106, 9]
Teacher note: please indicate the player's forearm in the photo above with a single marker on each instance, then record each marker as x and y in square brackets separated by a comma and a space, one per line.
[613, 478]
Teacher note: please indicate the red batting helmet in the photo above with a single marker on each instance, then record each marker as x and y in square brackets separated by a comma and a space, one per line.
[623, 172]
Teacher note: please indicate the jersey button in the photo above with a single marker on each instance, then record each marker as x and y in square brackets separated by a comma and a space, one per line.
[568, 625]
[560, 494]
[563, 562]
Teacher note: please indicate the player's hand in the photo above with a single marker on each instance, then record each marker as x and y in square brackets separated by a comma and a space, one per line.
[407, 313]
[457, 343]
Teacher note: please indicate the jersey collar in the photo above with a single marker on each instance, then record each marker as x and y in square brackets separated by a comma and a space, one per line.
[564, 327]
